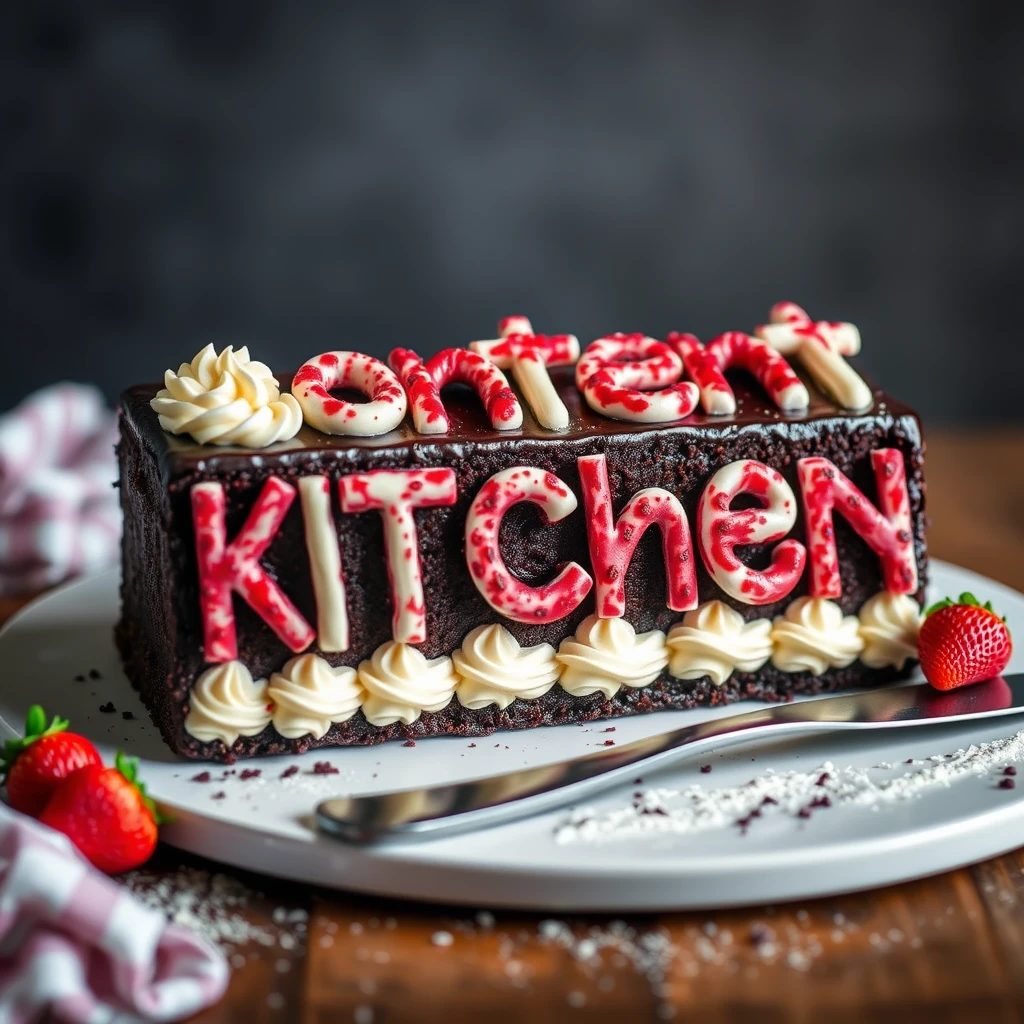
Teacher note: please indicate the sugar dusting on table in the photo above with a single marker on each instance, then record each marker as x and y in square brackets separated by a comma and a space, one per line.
[798, 794]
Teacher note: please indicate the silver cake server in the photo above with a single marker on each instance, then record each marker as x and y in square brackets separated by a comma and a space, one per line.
[495, 799]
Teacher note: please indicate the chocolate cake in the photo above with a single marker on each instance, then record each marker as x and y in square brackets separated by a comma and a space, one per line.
[576, 543]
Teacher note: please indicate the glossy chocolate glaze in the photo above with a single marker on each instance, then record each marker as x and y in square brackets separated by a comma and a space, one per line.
[160, 632]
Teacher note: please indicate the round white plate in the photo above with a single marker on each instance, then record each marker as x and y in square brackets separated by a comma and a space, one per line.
[59, 652]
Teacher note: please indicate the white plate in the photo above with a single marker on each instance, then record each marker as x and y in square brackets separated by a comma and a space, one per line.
[263, 823]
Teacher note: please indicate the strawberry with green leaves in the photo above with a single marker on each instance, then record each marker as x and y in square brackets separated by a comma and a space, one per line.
[106, 813]
[962, 642]
[33, 766]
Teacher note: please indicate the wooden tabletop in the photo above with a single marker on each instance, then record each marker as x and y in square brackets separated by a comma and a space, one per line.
[948, 948]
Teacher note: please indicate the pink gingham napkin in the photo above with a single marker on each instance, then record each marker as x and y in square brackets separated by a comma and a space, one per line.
[76, 944]
[59, 514]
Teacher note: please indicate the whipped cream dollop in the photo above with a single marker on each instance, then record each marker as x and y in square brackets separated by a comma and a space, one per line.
[606, 654]
[493, 669]
[226, 399]
[889, 626]
[309, 695]
[225, 703]
[814, 635]
[714, 640]
[400, 684]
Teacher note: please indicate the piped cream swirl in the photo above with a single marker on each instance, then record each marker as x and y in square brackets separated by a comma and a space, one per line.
[309, 695]
[494, 669]
[606, 654]
[889, 626]
[226, 399]
[225, 703]
[714, 640]
[400, 684]
[813, 635]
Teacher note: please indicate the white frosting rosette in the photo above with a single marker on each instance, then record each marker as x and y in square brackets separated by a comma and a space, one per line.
[813, 636]
[494, 669]
[401, 684]
[889, 626]
[309, 696]
[226, 399]
[606, 654]
[714, 640]
[225, 703]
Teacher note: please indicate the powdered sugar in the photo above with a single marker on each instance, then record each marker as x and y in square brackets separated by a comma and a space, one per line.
[799, 794]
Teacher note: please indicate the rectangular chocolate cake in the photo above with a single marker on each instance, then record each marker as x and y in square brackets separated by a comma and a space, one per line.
[577, 543]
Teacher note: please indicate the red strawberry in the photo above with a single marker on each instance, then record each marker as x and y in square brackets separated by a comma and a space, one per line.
[105, 812]
[34, 765]
[962, 642]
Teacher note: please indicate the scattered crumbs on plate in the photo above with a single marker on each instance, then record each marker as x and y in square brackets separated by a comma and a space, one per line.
[292, 769]
[202, 777]
[108, 708]
[409, 743]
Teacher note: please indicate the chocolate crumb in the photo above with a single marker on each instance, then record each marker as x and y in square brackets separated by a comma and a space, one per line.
[1007, 783]
[128, 716]
[94, 674]
[823, 778]
[705, 768]
[472, 744]
[292, 769]
[611, 728]
[201, 777]
[909, 760]
[638, 781]
[1009, 770]
[79, 678]
[108, 708]
[219, 795]
[409, 743]
[250, 773]
[609, 743]
[324, 768]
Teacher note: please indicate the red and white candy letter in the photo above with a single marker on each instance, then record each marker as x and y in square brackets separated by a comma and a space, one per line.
[423, 382]
[889, 532]
[395, 493]
[528, 356]
[612, 543]
[225, 568]
[506, 594]
[720, 530]
[618, 375]
[312, 385]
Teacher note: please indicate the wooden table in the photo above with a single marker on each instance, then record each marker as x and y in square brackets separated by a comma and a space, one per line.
[949, 948]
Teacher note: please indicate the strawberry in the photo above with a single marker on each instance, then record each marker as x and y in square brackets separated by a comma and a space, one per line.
[47, 754]
[962, 642]
[105, 812]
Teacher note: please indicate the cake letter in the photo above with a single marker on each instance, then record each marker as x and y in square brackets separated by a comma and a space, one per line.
[396, 492]
[889, 532]
[707, 367]
[612, 543]
[528, 356]
[324, 563]
[618, 375]
[225, 568]
[820, 346]
[312, 387]
[423, 383]
[507, 595]
[720, 530]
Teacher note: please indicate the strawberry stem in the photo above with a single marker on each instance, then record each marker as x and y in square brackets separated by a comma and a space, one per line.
[35, 729]
[129, 768]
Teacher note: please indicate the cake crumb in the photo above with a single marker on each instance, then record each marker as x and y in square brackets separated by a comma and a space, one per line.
[250, 773]
[95, 674]
[219, 795]
[705, 768]
[128, 716]
[292, 769]
[324, 768]
[108, 708]
[409, 743]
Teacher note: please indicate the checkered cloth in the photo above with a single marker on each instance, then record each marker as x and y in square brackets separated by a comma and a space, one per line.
[59, 515]
[79, 946]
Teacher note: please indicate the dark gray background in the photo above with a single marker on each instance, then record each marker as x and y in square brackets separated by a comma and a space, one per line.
[303, 176]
